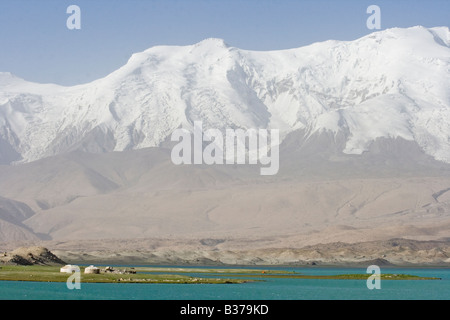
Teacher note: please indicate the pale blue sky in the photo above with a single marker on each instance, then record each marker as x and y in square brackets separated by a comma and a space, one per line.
[36, 45]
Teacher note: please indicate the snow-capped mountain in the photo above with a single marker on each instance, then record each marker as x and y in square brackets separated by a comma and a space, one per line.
[392, 83]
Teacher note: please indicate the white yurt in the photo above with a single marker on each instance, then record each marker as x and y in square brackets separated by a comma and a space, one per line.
[70, 268]
[91, 269]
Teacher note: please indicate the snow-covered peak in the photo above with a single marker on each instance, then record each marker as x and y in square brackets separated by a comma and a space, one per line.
[8, 79]
[390, 83]
[212, 43]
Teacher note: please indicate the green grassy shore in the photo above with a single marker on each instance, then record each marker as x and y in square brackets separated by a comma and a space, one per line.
[175, 275]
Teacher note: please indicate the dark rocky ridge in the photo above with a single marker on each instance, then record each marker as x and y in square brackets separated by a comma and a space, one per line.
[30, 256]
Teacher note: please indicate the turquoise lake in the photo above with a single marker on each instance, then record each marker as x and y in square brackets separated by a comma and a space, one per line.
[271, 289]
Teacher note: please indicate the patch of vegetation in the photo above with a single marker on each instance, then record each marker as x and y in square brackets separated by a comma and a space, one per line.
[338, 276]
[52, 274]
[176, 275]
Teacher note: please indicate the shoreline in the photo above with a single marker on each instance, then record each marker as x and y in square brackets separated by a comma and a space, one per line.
[258, 266]
[171, 275]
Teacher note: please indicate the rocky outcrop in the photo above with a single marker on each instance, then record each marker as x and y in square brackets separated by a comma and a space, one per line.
[30, 256]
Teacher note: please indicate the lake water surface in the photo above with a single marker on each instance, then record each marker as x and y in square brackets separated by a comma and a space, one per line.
[271, 289]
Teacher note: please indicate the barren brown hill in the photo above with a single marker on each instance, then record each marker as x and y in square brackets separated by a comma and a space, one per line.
[30, 256]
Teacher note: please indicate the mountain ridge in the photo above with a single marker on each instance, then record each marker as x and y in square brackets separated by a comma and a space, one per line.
[364, 151]
[390, 83]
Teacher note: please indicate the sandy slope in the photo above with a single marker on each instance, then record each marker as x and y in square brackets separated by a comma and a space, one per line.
[137, 199]
[238, 251]
[141, 194]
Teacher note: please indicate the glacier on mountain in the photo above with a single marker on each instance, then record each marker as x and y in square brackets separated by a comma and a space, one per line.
[391, 83]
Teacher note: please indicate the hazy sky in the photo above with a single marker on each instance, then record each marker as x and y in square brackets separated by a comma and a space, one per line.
[35, 43]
